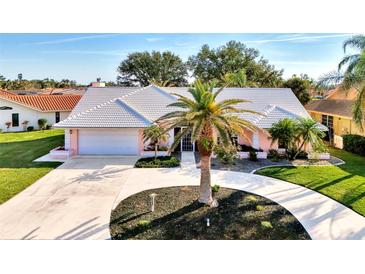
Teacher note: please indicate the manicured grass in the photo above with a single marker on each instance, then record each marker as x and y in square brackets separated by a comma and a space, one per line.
[178, 215]
[344, 183]
[17, 151]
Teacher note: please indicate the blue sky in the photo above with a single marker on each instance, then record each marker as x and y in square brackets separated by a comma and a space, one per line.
[84, 57]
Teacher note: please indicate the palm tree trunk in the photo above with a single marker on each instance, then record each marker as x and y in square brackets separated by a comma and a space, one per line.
[205, 193]
[156, 147]
[299, 149]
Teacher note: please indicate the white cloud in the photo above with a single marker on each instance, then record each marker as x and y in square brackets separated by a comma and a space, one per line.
[295, 37]
[153, 39]
[74, 39]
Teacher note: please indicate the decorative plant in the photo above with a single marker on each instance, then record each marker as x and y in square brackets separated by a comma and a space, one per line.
[206, 119]
[308, 132]
[226, 154]
[8, 125]
[252, 156]
[25, 124]
[42, 123]
[155, 135]
[284, 132]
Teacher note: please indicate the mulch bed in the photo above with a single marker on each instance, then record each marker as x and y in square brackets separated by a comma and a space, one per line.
[247, 166]
[179, 216]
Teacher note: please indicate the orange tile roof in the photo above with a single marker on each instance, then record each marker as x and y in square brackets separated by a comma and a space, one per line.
[44, 102]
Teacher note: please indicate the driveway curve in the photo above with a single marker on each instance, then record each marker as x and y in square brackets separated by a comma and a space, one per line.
[75, 200]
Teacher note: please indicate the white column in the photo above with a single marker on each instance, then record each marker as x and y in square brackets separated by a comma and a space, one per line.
[67, 139]
[256, 140]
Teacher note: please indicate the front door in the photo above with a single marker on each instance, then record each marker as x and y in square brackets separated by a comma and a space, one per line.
[186, 144]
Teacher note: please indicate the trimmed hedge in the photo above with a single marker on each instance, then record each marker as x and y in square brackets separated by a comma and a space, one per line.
[354, 143]
[160, 161]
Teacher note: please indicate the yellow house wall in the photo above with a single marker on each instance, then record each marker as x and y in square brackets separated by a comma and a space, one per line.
[341, 125]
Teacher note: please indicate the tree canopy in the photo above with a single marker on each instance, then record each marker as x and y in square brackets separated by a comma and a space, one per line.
[212, 64]
[22, 84]
[300, 85]
[144, 68]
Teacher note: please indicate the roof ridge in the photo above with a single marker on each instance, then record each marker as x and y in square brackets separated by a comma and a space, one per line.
[133, 110]
[70, 117]
[164, 92]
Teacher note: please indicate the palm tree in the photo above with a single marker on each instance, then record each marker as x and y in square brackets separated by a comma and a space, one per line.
[283, 132]
[236, 79]
[353, 76]
[155, 135]
[308, 132]
[206, 120]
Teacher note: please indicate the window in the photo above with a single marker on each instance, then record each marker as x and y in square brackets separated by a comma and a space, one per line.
[5, 108]
[57, 117]
[328, 122]
[15, 119]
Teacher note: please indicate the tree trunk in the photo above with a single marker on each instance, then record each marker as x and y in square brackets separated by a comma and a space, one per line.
[299, 149]
[205, 193]
[156, 147]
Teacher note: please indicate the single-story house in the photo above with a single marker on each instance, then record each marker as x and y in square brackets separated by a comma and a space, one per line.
[111, 120]
[16, 109]
[335, 112]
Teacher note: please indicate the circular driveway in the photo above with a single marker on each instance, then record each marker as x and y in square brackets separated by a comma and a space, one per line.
[75, 200]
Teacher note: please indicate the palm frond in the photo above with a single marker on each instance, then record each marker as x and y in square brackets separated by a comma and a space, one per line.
[356, 42]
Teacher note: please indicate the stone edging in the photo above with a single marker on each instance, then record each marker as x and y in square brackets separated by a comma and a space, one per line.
[342, 162]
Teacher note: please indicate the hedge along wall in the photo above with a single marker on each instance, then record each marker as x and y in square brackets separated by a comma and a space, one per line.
[354, 143]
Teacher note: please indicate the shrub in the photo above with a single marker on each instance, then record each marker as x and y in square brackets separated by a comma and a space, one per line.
[252, 156]
[30, 128]
[48, 126]
[42, 123]
[163, 148]
[226, 155]
[143, 223]
[260, 207]
[215, 188]
[354, 143]
[290, 153]
[8, 124]
[246, 148]
[160, 161]
[266, 225]
[251, 198]
[274, 155]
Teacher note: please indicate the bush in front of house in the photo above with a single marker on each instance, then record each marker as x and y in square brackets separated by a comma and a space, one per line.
[30, 128]
[274, 155]
[354, 143]
[226, 154]
[160, 161]
[42, 123]
[252, 156]
[246, 148]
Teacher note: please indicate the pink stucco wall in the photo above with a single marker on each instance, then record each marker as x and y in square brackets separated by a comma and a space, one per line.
[74, 141]
[140, 140]
[264, 141]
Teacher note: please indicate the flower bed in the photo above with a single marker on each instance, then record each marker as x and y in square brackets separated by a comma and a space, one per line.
[246, 155]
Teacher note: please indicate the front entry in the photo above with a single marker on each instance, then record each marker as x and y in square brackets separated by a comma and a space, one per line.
[186, 144]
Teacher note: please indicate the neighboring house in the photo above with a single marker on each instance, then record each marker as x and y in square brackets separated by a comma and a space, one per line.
[335, 112]
[111, 120]
[19, 108]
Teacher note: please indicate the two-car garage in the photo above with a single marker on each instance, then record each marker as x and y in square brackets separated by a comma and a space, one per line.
[101, 141]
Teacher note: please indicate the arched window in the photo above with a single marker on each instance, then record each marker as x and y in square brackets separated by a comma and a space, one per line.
[5, 108]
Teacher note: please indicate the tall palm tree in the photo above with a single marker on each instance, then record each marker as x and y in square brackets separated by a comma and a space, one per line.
[352, 77]
[155, 135]
[308, 132]
[206, 119]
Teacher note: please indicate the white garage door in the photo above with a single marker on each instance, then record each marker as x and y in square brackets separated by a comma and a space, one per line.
[108, 141]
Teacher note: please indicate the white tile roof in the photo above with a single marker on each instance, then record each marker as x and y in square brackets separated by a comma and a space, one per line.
[139, 107]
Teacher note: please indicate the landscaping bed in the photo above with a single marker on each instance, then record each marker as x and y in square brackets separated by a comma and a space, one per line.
[178, 215]
[159, 162]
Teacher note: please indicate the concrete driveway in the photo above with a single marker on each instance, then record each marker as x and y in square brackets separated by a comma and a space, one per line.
[71, 202]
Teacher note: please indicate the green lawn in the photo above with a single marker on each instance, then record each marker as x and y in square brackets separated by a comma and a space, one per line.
[345, 183]
[17, 151]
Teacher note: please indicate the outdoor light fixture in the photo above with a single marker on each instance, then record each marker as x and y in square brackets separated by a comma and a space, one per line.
[152, 201]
